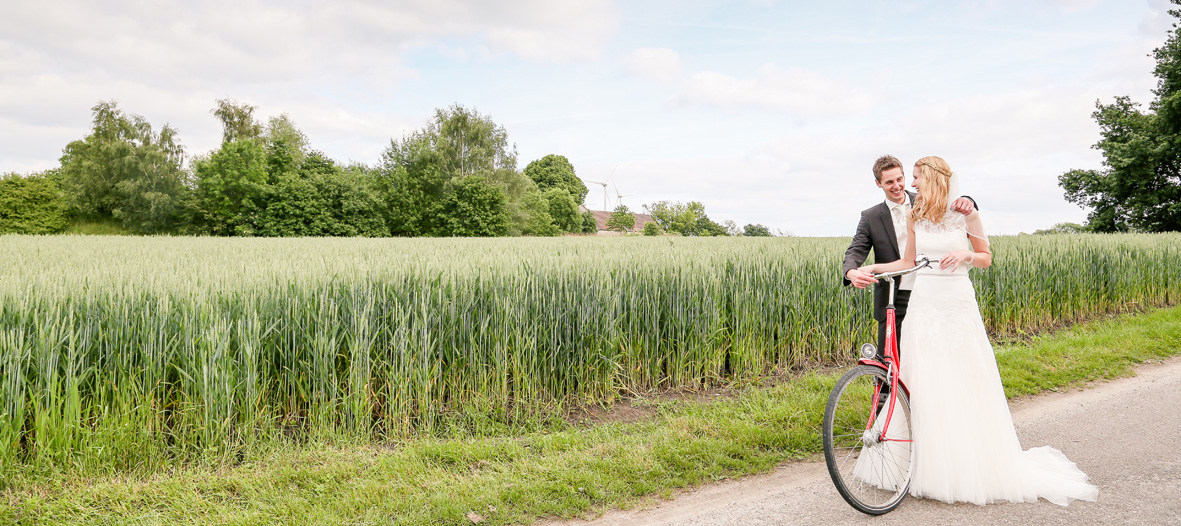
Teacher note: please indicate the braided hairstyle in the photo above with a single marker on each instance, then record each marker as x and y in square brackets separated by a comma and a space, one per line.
[931, 203]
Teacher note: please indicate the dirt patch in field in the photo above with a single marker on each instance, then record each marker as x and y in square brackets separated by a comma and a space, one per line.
[624, 412]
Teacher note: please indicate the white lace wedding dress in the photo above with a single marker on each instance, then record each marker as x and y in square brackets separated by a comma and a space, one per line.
[966, 448]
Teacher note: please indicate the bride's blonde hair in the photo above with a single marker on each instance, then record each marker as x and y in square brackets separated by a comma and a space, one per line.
[931, 204]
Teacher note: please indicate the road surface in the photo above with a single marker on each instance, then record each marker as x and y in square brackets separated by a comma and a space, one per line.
[1125, 434]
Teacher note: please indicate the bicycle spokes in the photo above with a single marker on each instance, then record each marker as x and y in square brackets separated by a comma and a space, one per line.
[867, 445]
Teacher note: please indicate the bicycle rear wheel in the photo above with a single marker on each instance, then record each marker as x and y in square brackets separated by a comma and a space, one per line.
[870, 470]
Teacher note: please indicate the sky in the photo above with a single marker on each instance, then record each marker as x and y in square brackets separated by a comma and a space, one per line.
[768, 112]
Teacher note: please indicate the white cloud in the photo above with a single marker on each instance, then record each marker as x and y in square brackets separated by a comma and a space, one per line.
[544, 30]
[795, 91]
[259, 41]
[318, 62]
[655, 63]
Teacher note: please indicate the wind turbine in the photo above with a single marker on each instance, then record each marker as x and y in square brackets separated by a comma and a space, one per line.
[604, 185]
[604, 191]
[618, 196]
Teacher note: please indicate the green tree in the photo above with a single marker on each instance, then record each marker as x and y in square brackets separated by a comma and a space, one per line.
[756, 230]
[158, 199]
[563, 210]
[1063, 228]
[295, 200]
[469, 143]
[555, 171]
[652, 228]
[622, 220]
[294, 143]
[281, 158]
[320, 199]
[355, 201]
[528, 207]
[679, 218]
[269, 182]
[262, 181]
[538, 221]
[294, 207]
[472, 207]
[424, 174]
[32, 205]
[412, 184]
[590, 225]
[1140, 187]
[232, 189]
[127, 172]
[706, 227]
[237, 121]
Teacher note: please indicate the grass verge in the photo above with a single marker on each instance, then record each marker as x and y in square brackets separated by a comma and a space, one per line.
[565, 471]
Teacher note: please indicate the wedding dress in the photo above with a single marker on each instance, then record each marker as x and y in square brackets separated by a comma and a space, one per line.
[966, 448]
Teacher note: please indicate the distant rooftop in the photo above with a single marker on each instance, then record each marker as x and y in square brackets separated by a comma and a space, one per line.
[601, 218]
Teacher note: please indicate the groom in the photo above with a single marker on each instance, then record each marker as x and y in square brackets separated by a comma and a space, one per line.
[883, 229]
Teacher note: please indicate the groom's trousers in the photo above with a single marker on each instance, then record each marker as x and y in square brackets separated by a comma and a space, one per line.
[901, 299]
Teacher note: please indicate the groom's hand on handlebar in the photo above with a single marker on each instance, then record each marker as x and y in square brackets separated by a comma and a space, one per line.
[860, 278]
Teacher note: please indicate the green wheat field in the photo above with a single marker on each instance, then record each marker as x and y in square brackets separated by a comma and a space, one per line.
[130, 353]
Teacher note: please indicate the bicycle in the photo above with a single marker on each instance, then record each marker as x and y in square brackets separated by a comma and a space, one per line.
[867, 444]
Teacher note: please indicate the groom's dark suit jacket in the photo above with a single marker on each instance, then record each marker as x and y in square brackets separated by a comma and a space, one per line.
[876, 231]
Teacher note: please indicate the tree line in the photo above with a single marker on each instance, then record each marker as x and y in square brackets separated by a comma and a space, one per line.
[456, 176]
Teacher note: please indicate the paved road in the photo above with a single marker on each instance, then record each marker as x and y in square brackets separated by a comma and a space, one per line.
[1125, 434]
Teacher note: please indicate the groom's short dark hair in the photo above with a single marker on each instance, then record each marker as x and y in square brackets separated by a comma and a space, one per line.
[884, 163]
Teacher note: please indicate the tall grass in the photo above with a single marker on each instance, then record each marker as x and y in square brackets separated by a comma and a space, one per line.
[130, 353]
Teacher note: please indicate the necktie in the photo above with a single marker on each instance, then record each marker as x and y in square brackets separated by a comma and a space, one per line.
[899, 216]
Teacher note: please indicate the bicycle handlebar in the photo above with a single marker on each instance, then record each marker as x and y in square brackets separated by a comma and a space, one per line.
[922, 262]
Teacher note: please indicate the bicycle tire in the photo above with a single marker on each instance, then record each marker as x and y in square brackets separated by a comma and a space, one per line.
[872, 475]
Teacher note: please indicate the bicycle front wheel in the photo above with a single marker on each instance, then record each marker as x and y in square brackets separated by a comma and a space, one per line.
[868, 453]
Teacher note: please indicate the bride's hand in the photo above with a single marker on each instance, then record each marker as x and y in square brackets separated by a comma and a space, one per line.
[953, 259]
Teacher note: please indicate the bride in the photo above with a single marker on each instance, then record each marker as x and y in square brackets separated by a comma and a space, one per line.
[965, 445]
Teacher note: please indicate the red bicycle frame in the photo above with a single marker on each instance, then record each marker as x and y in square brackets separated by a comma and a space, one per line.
[891, 364]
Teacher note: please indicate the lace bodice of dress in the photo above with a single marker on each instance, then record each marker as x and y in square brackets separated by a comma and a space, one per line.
[936, 240]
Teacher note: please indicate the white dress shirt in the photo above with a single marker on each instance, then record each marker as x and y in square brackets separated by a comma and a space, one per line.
[899, 211]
